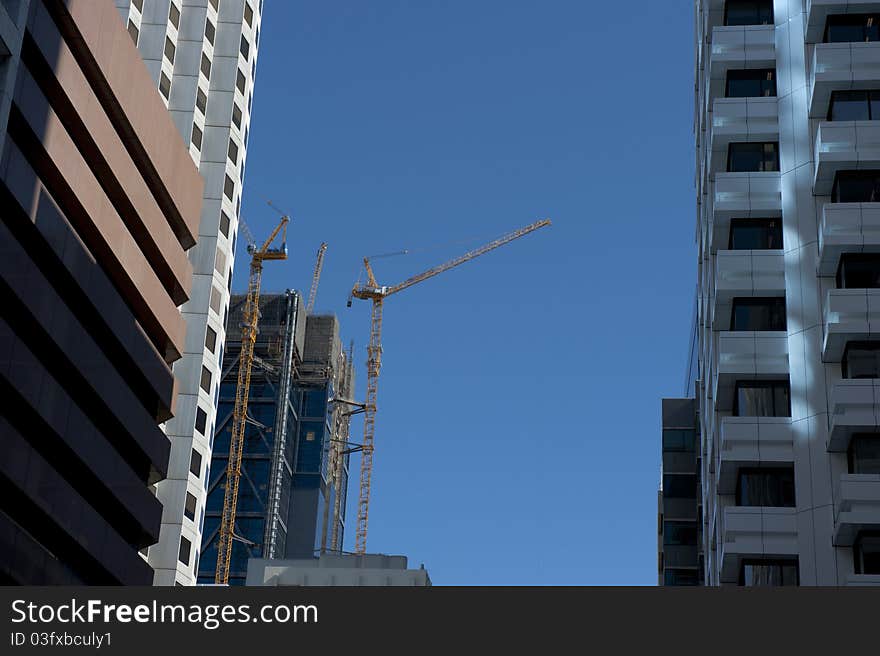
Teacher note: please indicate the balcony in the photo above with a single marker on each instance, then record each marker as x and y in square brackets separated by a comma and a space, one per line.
[748, 532]
[747, 355]
[739, 47]
[856, 508]
[855, 408]
[749, 442]
[745, 273]
[744, 195]
[842, 66]
[818, 11]
[850, 314]
[847, 228]
[743, 119]
[844, 146]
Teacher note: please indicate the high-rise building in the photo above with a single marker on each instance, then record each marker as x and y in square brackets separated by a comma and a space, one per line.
[286, 494]
[788, 184]
[679, 513]
[202, 56]
[100, 202]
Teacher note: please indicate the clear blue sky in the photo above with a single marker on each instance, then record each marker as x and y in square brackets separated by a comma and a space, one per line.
[517, 437]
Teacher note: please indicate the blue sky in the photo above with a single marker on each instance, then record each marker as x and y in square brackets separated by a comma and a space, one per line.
[517, 438]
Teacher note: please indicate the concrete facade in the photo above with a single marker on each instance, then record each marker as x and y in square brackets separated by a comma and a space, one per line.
[776, 406]
[202, 57]
[335, 570]
[100, 203]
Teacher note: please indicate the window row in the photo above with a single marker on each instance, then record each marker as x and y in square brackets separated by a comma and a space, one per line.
[852, 28]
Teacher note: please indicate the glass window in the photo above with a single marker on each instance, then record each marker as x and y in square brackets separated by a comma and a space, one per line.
[183, 553]
[164, 85]
[210, 339]
[748, 12]
[216, 5]
[169, 50]
[210, 31]
[858, 271]
[201, 420]
[215, 300]
[852, 28]
[189, 508]
[232, 152]
[219, 261]
[768, 573]
[228, 187]
[201, 101]
[861, 360]
[758, 314]
[850, 106]
[750, 157]
[856, 187]
[762, 398]
[765, 487]
[205, 66]
[866, 552]
[133, 31]
[205, 382]
[244, 48]
[679, 534]
[174, 15]
[224, 223]
[195, 463]
[236, 116]
[679, 439]
[864, 453]
[197, 137]
[751, 83]
[138, 4]
[680, 486]
[755, 234]
[240, 81]
[248, 14]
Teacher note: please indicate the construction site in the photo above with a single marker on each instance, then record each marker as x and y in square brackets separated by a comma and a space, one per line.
[283, 442]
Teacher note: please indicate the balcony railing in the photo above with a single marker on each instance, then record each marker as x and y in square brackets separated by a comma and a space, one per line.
[747, 355]
[842, 66]
[850, 314]
[819, 10]
[749, 532]
[855, 408]
[857, 507]
[745, 273]
[739, 47]
[847, 228]
[743, 119]
[844, 146]
[749, 442]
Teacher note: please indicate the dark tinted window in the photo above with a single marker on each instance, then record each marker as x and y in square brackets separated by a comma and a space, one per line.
[240, 81]
[680, 486]
[228, 187]
[139, 4]
[205, 382]
[866, 552]
[748, 12]
[195, 463]
[852, 28]
[248, 14]
[184, 552]
[751, 83]
[197, 137]
[768, 573]
[205, 66]
[766, 487]
[679, 533]
[861, 360]
[856, 187]
[679, 439]
[864, 453]
[244, 47]
[750, 157]
[189, 510]
[210, 32]
[858, 271]
[164, 85]
[133, 32]
[854, 106]
[762, 398]
[210, 339]
[174, 15]
[758, 314]
[236, 116]
[224, 224]
[201, 101]
[201, 420]
[169, 50]
[755, 234]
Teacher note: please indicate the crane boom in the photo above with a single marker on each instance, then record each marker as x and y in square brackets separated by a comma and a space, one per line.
[377, 294]
[316, 277]
[249, 325]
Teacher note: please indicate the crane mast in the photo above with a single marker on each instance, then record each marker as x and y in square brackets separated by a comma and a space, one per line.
[249, 329]
[371, 290]
[316, 277]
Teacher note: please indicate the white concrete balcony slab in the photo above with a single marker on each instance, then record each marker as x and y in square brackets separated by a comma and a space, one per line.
[740, 47]
[749, 532]
[744, 195]
[745, 273]
[743, 119]
[747, 355]
[856, 507]
[750, 442]
[855, 408]
[849, 314]
[842, 66]
[847, 228]
[818, 11]
[844, 146]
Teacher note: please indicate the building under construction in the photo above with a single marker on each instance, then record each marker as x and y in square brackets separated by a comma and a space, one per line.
[294, 469]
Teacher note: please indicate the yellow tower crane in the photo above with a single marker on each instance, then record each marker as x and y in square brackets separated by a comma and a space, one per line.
[316, 277]
[249, 325]
[377, 294]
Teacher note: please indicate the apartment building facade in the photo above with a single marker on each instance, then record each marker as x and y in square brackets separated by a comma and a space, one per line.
[202, 57]
[787, 127]
[100, 203]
